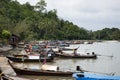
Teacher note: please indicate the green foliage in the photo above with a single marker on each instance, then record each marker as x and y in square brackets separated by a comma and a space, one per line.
[35, 22]
[40, 6]
[108, 34]
[6, 34]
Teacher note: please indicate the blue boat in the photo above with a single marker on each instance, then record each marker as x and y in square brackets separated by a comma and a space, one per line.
[94, 76]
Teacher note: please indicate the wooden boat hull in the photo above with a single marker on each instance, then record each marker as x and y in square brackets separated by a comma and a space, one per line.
[67, 48]
[16, 59]
[75, 56]
[39, 72]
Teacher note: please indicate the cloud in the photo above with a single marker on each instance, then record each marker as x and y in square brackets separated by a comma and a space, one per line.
[90, 14]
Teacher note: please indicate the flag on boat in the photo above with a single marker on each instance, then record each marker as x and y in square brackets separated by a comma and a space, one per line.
[44, 62]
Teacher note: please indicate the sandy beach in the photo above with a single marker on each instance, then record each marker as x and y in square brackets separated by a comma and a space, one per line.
[5, 66]
[7, 50]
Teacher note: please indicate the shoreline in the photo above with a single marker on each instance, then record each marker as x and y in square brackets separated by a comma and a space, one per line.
[5, 50]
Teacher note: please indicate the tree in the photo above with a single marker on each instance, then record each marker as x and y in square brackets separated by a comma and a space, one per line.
[40, 6]
[35, 22]
[6, 34]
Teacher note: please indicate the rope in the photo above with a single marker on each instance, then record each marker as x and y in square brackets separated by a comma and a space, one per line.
[100, 72]
[7, 78]
[1, 74]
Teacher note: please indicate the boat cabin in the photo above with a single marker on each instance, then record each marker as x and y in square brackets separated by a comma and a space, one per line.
[14, 39]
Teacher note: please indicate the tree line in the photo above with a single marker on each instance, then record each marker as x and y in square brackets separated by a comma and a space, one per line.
[37, 23]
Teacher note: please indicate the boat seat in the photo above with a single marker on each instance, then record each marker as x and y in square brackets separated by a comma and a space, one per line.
[80, 74]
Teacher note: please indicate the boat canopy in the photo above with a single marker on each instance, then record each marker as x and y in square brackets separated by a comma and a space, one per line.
[33, 57]
[49, 67]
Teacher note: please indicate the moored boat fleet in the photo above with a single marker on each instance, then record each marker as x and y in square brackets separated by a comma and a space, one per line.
[45, 52]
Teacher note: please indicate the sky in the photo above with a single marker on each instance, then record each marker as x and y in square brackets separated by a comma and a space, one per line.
[89, 14]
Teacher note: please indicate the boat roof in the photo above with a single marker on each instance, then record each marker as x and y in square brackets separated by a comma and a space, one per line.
[49, 67]
[94, 76]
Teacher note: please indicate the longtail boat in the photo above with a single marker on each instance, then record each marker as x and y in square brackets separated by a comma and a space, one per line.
[68, 48]
[40, 72]
[28, 58]
[73, 55]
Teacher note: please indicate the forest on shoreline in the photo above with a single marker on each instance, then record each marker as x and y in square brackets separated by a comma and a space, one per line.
[37, 23]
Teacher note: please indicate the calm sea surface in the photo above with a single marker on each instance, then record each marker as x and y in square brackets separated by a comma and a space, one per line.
[108, 61]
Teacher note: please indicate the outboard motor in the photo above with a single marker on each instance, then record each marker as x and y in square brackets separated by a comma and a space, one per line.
[88, 53]
[93, 53]
[51, 54]
[79, 69]
[80, 73]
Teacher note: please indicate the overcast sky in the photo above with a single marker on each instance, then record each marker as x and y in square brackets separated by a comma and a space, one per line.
[89, 14]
